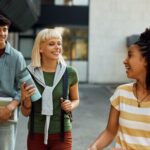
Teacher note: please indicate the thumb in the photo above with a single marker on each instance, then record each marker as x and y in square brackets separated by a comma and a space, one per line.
[62, 100]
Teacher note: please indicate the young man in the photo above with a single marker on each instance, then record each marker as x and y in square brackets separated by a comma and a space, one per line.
[11, 63]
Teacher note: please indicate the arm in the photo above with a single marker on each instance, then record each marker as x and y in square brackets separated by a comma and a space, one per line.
[107, 136]
[20, 65]
[6, 111]
[70, 105]
[26, 104]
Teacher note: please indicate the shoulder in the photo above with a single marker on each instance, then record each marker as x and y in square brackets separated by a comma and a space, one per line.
[72, 75]
[122, 90]
[125, 87]
[14, 52]
[71, 70]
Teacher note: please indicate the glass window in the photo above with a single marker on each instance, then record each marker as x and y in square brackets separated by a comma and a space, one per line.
[79, 51]
[75, 43]
[28, 32]
[26, 45]
[72, 2]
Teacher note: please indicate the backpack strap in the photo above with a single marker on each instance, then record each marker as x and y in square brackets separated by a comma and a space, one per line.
[65, 95]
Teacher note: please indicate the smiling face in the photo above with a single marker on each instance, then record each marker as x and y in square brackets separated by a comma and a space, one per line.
[51, 49]
[135, 63]
[3, 35]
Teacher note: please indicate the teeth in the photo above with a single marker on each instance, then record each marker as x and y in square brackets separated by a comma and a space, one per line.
[56, 53]
[127, 67]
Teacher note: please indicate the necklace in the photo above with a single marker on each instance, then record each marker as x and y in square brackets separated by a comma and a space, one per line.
[141, 100]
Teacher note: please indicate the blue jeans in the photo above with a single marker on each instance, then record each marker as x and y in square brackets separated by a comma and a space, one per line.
[7, 136]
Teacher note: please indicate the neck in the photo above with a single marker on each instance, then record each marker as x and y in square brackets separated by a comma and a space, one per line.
[49, 66]
[2, 45]
[141, 86]
[141, 93]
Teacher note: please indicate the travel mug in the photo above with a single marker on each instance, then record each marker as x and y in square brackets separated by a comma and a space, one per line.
[24, 76]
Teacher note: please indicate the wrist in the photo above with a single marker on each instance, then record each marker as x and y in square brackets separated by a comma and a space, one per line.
[26, 104]
[8, 110]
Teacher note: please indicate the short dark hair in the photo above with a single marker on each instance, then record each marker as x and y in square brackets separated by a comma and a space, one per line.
[4, 21]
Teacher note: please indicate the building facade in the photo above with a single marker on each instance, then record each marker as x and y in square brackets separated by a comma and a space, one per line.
[95, 34]
[110, 23]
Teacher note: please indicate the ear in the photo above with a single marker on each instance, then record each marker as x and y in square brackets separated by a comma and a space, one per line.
[41, 48]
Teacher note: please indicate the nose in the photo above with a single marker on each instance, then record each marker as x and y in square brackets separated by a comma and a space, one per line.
[125, 61]
[57, 46]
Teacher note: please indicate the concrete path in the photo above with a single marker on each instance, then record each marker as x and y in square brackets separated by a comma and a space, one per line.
[89, 119]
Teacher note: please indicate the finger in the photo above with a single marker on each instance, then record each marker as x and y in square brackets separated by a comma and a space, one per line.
[67, 104]
[22, 87]
[28, 87]
[23, 84]
[30, 91]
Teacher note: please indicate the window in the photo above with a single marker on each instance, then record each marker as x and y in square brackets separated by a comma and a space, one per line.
[72, 2]
[75, 43]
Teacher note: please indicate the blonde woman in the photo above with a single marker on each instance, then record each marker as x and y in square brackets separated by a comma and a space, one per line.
[45, 115]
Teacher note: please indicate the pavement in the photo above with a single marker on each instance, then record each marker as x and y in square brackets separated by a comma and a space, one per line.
[89, 119]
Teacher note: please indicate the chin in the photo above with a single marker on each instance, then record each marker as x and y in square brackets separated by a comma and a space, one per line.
[128, 75]
[55, 58]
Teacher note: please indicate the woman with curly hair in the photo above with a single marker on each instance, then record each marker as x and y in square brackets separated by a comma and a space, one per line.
[129, 121]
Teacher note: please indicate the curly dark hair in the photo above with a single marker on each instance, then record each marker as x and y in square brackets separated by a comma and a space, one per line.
[144, 45]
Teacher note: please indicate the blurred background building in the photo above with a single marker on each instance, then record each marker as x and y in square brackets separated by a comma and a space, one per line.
[96, 33]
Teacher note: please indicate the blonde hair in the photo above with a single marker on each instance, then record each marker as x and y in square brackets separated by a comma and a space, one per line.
[42, 36]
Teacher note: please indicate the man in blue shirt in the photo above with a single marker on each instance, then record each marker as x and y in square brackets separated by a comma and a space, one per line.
[11, 63]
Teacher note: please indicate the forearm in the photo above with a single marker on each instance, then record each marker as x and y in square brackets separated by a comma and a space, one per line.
[26, 112]
[26, 107]
[13, 105]
[75, 104]
[6, 111]
[103, 140]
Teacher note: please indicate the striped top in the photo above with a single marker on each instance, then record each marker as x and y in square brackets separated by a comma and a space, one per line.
[134, 121]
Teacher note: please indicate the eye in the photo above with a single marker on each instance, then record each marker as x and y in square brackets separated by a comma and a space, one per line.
[59, 43]
[129, 54]
[5, 29]
[51, 44]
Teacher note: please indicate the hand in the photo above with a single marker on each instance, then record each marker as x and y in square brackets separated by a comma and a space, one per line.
[92, 148]
[5, 114]
[66, 105]
[26, 92]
